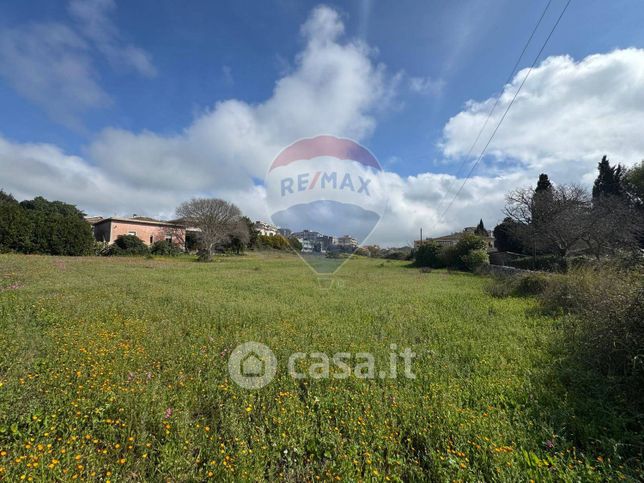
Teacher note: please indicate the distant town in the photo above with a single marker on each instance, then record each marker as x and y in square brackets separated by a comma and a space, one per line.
[312, 241]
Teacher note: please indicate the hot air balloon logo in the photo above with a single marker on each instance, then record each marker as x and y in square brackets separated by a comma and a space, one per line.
[328, 193]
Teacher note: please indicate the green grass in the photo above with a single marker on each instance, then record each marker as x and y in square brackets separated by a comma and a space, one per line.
[116, 369]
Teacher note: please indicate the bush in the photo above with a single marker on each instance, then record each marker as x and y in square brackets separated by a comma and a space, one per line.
[429, 255]
[545, 263]
[475, 260]
[604, 314]
[277, 242]
[164, 248]
[607, 309]
[519, 285]
[396, 255]
[127, 245]
[295, 244]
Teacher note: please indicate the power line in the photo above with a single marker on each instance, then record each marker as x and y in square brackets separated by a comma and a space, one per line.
[536, 59]
[489, 114]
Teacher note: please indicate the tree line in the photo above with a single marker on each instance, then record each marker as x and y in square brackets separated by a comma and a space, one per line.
[555, 220]
[42, 226]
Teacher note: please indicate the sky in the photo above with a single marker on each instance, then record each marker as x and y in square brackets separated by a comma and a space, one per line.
[133, 107]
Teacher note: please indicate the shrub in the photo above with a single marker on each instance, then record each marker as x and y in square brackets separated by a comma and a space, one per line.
[129, 245]
[429, 255]
[604, 310]
[546, 263]
[455, 256]
[475, 260]
[531, 284]
[204, 255]
[164, 248]
[469, 242]
[396, 255]
[277, 242]
[295, 244]
[519, 285]
[607, 323]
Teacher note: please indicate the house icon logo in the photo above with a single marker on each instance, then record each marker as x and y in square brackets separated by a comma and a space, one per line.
[252, 365]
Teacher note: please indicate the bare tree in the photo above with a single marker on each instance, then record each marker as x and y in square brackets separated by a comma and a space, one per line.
[216, 220]
[562, 217]
[552, 220]
[614, 224]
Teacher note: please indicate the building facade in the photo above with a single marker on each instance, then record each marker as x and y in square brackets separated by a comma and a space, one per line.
[453, 239]
[265, 229]
[147, 230]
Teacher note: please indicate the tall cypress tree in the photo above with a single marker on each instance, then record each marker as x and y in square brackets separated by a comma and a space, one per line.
[543, 184]
[480, 229]
[609, 179]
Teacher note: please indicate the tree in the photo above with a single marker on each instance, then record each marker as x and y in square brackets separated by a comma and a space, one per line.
[216, 219]
[613, 224]
[240, 236]
[634, 184]
[554, 219]
[617, 206]
[252, 232]
[295, 243]
[609, 180]
[481, 230]
[543, 185]
[15, 226]
[42, 226]
[507, 236]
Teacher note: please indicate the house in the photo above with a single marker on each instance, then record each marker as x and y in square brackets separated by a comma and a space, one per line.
[148, 230]
[347, 241]
[319, 243]
[265, 229]
[453, 239]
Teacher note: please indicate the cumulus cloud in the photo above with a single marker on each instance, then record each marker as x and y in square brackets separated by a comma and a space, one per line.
[334, 88]
[51, 63]
[31, 169]
[568, 114]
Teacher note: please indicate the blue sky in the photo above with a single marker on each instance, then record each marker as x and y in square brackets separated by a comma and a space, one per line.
[161, 66]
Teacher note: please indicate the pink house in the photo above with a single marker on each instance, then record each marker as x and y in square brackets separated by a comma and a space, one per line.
[147, 229]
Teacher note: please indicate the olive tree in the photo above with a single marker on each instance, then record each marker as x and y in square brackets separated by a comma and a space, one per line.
[216, 221]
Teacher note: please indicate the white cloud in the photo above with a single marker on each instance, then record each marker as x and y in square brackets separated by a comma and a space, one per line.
[426, 85]
[334, 88]
[566, 117]
[95, 23]
[51, 63]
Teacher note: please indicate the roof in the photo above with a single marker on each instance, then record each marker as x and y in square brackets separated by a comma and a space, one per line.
[140, 220]
[93, 219]
[453, 236]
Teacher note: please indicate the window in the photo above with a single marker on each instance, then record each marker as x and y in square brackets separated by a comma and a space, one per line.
[151, 239]
[131, 233]
[168, 238]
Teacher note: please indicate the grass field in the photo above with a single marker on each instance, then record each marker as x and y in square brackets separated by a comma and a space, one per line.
[116, 369]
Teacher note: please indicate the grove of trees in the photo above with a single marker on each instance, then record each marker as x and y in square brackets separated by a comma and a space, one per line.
[42, 226]
[555, 219]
